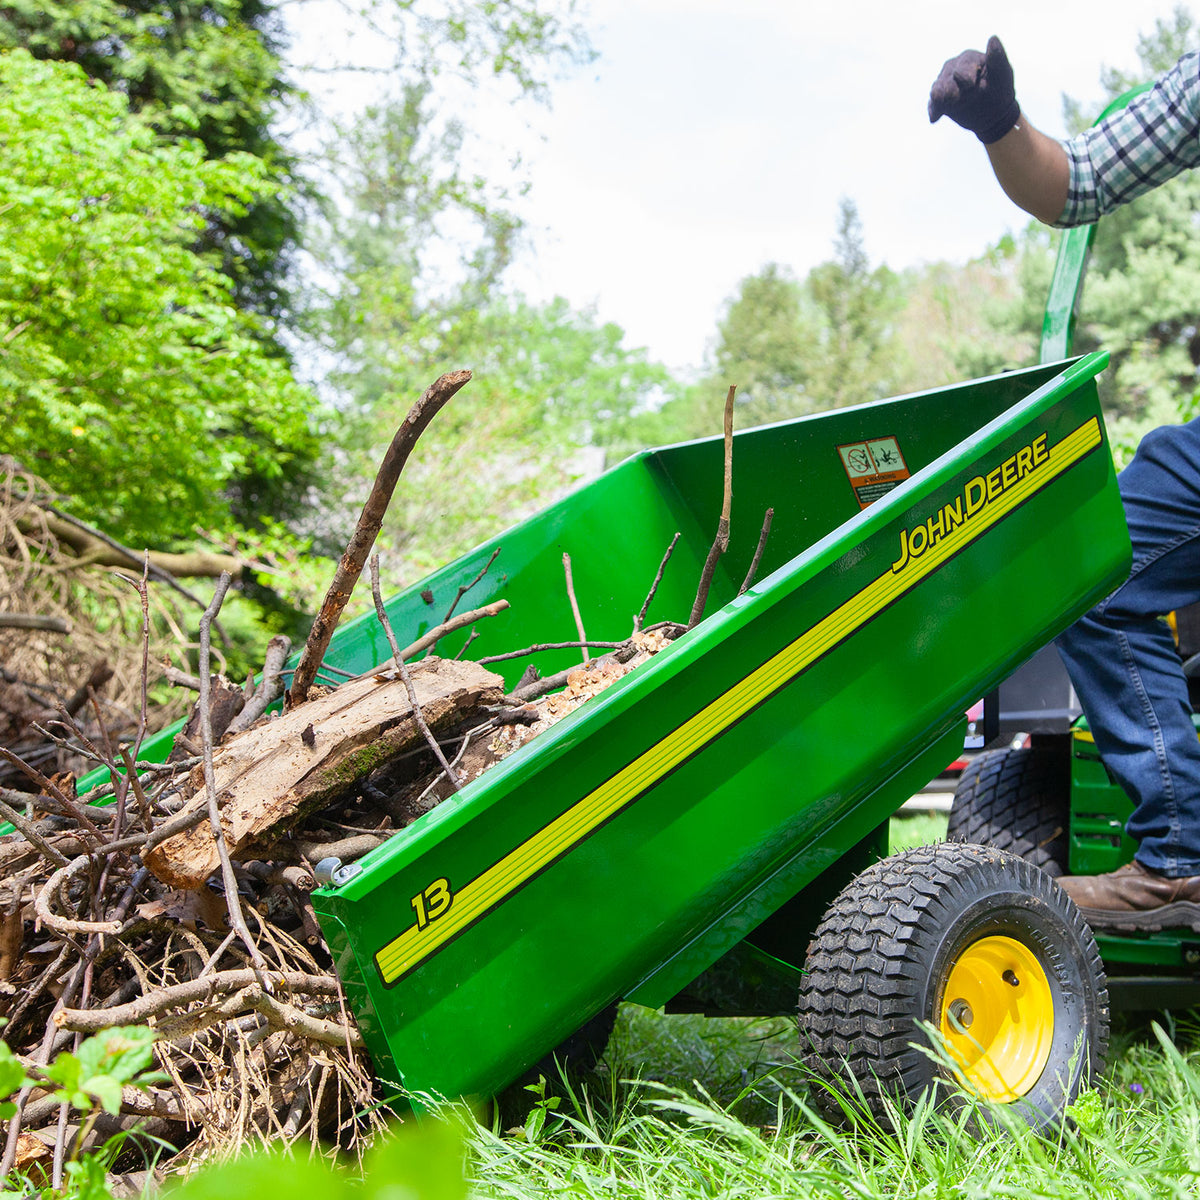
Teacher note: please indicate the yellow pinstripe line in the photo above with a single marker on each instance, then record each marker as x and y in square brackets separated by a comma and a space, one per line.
[486, 890]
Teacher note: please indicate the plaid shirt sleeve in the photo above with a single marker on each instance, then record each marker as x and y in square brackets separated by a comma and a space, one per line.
[1134, 150]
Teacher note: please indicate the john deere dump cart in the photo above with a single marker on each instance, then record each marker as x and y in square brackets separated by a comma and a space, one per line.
[678, 839]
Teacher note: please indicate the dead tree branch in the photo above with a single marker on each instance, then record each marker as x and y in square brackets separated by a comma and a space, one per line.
[662, 566]
[758, 550]
[33, 621]
[237, 919]
[406, 678]
[29, 831]
[466, 587]
[537, 649]
[439, 631]
[205, 990]
[165, 567]
[721, 541]
[575, 608]
[369, 523]
[270, 687]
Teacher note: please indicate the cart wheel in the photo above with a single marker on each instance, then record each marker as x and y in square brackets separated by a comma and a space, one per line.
[981, 946]
[1016, 800]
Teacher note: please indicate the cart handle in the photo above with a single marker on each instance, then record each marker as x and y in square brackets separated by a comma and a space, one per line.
[1066, 286]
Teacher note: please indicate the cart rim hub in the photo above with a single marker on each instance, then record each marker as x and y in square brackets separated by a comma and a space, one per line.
[997, 1017]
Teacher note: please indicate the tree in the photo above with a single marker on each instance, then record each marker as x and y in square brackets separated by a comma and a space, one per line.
[858, 307]
[203, 69]
[130, 377]
[765, 344]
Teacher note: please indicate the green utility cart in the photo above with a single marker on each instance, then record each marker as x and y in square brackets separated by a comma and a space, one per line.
[678, 840]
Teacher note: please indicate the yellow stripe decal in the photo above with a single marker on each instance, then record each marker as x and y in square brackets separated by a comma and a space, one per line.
[487, 890]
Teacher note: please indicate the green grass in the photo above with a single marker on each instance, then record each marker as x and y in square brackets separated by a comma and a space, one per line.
[916, 827]
[685, 1107]
[739, 1123]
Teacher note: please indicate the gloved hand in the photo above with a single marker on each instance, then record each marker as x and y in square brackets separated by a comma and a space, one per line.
[976, 91]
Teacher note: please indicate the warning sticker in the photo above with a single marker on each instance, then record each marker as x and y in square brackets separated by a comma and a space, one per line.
[873, 467]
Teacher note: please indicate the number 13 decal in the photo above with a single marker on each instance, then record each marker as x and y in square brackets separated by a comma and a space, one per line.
[433, 902]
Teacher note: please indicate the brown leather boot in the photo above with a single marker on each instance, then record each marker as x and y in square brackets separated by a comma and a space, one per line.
[1136, 898]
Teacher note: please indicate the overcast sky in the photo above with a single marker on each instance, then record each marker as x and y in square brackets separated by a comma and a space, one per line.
[713, 136]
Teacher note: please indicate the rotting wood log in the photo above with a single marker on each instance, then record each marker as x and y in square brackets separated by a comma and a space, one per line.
[271, 776]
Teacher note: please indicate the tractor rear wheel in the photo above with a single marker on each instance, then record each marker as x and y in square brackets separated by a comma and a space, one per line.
[1016, 799]
[975, 943]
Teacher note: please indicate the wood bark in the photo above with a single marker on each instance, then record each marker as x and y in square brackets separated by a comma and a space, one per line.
[271, 776]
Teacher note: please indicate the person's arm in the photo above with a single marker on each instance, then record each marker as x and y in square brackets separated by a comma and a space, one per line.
[1077, 182]
[976, 91]
[1033, 170]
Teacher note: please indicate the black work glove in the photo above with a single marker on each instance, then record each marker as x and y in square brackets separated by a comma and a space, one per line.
[976, 91]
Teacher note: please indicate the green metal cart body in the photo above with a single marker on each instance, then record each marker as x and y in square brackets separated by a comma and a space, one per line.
[675, 840]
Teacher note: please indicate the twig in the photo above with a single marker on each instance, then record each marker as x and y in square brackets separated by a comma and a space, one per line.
[143, 592]
[215, 956]
[539, 687]
[662, 566]
[148, 841]
[439, 631]
[721, 541]
[286, 1016]
[758, 550]
[178, 678]
[139, 793]
[438, 778]
[465, 588]
[540, 646]
[100, 674]
[418, 715]
[575, 608]
[369, 523]
[299, 1108]
[347, 849]
[237, 919]
[42, 1060]
[31, 994]
[467, 644]
[52, 790]
[28, 830]
[51, 890]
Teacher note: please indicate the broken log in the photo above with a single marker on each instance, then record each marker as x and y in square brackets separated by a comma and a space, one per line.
[270, 777]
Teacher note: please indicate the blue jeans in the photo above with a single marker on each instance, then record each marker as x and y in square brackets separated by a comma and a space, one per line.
[1122, 659]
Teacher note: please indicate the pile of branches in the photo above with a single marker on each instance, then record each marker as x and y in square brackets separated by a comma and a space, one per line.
[69, 625]
[233, 975]
[178, 895]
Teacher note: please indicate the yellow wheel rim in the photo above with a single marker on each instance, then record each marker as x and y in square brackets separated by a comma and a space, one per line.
[997, 1017]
